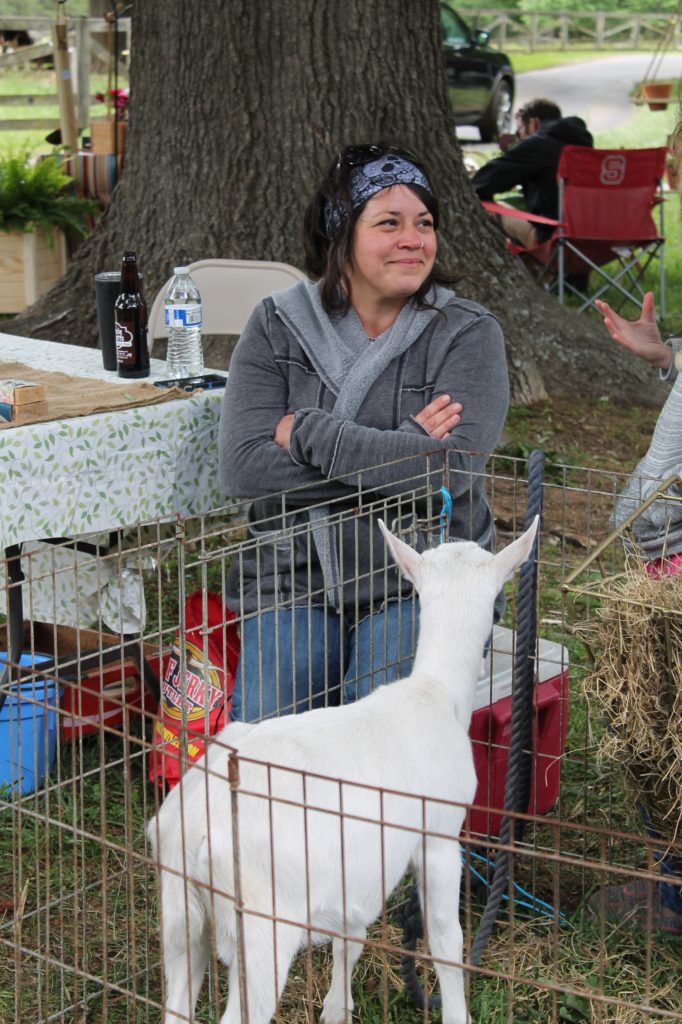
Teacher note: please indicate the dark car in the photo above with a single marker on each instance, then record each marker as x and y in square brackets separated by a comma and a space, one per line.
[480, 80]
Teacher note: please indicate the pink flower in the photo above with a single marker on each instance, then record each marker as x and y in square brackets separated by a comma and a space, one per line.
[119, 98]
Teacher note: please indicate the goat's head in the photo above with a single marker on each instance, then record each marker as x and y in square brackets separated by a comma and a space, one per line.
[461, 561]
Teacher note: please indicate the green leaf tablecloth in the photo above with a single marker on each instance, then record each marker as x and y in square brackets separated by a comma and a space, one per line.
[67, 477]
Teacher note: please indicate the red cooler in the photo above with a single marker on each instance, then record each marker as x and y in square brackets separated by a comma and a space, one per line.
[491, 729]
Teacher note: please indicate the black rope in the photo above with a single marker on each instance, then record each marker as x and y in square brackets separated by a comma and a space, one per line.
[517, 785]
[413, 931]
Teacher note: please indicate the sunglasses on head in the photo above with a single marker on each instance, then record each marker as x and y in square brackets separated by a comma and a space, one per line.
[356, 156]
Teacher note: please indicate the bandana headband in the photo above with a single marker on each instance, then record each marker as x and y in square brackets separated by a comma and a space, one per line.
[368, 179]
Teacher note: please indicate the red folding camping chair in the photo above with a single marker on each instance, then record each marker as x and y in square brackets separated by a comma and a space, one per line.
[606, 226]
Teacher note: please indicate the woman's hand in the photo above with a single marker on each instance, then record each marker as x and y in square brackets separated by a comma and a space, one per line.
[439, 416]
[283, 431]
[639, 336]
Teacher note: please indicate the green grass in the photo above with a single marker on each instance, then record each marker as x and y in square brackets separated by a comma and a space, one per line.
[542, 59]
[645, 128]
[523, 61]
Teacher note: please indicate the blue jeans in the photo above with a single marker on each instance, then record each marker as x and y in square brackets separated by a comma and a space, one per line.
[302, 658]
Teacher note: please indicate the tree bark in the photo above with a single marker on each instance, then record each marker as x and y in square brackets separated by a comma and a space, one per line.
[235, 111]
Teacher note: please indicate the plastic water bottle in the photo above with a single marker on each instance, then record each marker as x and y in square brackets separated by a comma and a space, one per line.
[184, 355]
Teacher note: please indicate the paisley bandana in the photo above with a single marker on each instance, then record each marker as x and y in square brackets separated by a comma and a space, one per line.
[368, 179]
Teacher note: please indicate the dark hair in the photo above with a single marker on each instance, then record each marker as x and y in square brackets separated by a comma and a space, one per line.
[328, 257]
[543, 110]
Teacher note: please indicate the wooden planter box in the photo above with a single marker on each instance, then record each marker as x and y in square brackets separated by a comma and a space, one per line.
[29, 265]
[103, 135]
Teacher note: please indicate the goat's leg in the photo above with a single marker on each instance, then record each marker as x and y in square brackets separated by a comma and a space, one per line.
[184, 963]
[263, 989]
[439, 878]
[338, 1004]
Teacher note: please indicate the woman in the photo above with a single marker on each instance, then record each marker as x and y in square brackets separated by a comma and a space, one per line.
[376, 362]
[657, 532]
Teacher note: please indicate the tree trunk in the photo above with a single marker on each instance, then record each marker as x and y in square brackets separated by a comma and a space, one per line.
[235, 111]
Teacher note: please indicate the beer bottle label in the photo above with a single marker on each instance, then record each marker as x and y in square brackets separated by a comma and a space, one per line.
[131, 342]
[125, 344]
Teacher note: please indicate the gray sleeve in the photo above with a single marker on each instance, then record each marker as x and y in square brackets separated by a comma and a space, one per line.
[473, 372]
[663, 459]
[676, 364]
[255, 399]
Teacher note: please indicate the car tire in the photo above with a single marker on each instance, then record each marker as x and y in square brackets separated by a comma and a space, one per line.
[498, 117]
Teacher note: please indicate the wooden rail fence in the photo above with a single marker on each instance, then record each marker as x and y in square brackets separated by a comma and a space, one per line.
[562, 30]
[84, 39]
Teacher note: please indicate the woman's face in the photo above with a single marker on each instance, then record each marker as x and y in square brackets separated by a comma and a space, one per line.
[394, 247]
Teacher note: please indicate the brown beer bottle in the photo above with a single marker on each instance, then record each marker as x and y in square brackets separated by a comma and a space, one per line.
[130, 312]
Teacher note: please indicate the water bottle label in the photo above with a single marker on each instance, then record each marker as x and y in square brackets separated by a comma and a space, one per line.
[183, 316]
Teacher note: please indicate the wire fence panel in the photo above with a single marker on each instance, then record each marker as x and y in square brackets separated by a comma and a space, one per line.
[131, 692]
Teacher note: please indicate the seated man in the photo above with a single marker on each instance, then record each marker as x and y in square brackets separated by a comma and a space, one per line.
[532, 163]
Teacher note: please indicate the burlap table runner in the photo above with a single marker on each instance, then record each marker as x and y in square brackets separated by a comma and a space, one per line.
[69, 396]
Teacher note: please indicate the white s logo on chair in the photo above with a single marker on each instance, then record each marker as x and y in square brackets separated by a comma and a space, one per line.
[612, 169]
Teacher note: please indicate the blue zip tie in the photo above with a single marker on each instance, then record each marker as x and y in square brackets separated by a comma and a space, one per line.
[445, 513]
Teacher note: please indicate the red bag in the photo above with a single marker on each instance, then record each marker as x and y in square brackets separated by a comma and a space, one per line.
[210, 696]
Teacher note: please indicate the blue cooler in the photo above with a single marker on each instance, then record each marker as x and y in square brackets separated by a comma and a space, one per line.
[28, 730]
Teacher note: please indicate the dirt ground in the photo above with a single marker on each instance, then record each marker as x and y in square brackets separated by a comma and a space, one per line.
[599, 441]
[603, 434]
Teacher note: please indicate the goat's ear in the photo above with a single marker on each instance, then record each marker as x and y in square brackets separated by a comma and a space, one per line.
[407, 559]
[516, 553]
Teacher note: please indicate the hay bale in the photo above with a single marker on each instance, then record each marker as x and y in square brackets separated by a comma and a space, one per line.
[636, 640]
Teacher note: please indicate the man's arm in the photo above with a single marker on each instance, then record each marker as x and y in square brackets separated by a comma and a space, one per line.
[505, 172]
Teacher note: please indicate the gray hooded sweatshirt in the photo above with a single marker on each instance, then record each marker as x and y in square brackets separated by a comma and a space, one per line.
[354, 443]
[658, 530]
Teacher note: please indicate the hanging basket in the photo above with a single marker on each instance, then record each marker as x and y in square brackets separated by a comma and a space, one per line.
[656, 94]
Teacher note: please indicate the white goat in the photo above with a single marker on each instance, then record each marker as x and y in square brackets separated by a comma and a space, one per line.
[321, 854]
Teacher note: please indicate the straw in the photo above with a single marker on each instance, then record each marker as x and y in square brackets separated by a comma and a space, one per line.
[636, 639]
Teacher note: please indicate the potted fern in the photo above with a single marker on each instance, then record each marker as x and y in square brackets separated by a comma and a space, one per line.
[37, 215]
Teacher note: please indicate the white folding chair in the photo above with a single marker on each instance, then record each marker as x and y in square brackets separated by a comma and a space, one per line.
[230, 289]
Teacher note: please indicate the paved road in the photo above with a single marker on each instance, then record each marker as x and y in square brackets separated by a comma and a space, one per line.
[595, 90]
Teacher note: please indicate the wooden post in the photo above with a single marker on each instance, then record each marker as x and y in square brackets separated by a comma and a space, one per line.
[83, 72]
[503, 30]
[67, 109]
[533, 41]
[563, 30]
